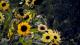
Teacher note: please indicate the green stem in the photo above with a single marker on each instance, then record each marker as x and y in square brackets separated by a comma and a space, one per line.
[8, 19]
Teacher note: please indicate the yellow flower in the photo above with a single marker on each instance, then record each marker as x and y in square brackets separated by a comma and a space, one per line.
[30, 2]
[55, 43]
[56, 36]
[18, 13]
[42, 28]
[4, 5]
[23, 28]
[1, 17]
[47, 37]
[27, 16]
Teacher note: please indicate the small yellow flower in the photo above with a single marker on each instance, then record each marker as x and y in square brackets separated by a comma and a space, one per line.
[55, 43]
[47, 37]
[27, 16]
[23, 28]
[42, 28]
[56, 36]
[4, 5]
[30, 2]
[1, 17]
[18, 13]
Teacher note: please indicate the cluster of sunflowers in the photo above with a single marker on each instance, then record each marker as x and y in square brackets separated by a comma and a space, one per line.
[21, 25]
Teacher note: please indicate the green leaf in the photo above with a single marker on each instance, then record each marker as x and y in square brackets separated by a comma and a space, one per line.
[21, 39]
[29, 42]
[34, 30]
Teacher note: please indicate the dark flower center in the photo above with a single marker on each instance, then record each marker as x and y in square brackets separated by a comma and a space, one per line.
[22, 14]
[26, 17]
[4, 4]
[47, 37]
[42, 28]
[53, 44]
[55, 37]
[23, 28]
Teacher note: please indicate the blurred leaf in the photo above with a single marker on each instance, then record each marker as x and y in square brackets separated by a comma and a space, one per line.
[4, 43]
[21, 39]
[34, 30]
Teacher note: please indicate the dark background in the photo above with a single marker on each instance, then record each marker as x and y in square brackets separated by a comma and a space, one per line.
[64, 16]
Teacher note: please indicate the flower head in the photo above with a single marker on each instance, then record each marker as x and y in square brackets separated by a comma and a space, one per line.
[47, 37]
[4, 5]
[56, 36]
[28, 16]
[23, 28]
[42, 28]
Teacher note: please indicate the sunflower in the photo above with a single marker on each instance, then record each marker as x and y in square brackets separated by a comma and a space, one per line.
[19, 13]
[19, 16]
[55, 43]
[27, 16]
[4, 5]
[47, 37]
[30, 2]
[29, 13]
[42, 28]
[56, 36]
[1, 17]
[23, 28]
